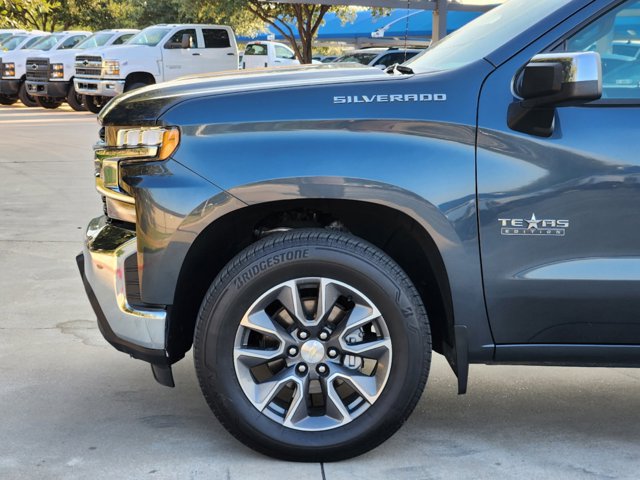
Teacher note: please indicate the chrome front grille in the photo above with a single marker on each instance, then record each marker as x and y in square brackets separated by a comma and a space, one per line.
[88, 66]
[37, 69]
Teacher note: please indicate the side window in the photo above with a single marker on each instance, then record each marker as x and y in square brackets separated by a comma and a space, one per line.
[176, 39]
[606, 35]
[384, 60]
[123, 39]
[71, 42]
[256, 49]
[282, 52]
[216, 38]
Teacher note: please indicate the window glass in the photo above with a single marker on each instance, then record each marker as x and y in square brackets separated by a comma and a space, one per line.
[122, 39]
[94, 41]
[71, 42]
[47, 43]
[608, 35]
[484, 35]
[150, 36]
[282, 52]
[216, 38]
[175, 41]
[393, 58]
[363, 58]
[11, 43]
[31, 43]
[256, 49]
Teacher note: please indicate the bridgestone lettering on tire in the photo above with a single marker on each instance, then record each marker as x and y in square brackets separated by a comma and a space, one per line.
[312, 345]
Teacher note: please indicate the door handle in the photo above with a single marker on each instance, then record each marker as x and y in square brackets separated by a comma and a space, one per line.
[229, 54]
[195, 54]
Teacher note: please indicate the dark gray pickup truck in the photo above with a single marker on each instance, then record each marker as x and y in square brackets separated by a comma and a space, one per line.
[315, 232]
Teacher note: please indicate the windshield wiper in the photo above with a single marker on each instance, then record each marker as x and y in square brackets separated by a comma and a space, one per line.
[396, 69]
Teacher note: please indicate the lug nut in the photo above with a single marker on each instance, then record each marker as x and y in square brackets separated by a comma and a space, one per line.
[302, 369]
[333, 353]
[323, 335]
[322, 369]
[302, 335]
[293, 351]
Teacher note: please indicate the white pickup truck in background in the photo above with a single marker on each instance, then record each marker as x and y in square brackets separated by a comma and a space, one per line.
[157, 54]
[264, 54]
[51, 83]
[14, 64]
[19, 41]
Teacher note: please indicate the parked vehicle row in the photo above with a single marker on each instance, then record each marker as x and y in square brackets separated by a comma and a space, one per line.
[49, 76]
[86, 70]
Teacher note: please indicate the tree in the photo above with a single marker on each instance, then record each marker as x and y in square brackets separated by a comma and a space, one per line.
[288, 19]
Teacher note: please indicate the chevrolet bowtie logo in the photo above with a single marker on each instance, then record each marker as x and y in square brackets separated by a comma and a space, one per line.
[85, 63]
[34, 67]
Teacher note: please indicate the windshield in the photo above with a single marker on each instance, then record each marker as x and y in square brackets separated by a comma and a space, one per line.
[484, 35]
[47, 43]
[363, 58]
[149, 36]
[94, 41]
[11, 43]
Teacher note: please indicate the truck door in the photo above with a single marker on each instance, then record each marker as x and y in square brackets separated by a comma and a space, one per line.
[179, 61]
[559, 217]
[220, 51]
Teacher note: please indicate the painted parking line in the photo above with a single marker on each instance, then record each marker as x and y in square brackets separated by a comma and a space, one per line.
[43, 121]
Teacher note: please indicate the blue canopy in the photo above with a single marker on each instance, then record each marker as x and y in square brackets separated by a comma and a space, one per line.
[419, 26]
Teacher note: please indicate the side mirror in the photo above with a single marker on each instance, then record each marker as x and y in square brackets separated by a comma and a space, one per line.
[553, 80]
[186, 41]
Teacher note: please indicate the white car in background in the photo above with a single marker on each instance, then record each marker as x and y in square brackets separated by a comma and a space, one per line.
[264, 54]
[379, 57]
[19, 41]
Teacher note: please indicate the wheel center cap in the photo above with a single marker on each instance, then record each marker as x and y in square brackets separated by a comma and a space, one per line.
[312, 351]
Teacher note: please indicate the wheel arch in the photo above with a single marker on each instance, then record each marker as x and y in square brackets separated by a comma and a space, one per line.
[144, 77]
[395, 232]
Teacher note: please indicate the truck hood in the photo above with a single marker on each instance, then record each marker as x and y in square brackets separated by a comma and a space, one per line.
[121, 53]
[146, 105]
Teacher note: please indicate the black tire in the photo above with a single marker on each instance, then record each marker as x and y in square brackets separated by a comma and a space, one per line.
[26, 99]
[93, 104]
[7, 100]
[75, 100]
[320, 253]
[48, 103]
[134, 86]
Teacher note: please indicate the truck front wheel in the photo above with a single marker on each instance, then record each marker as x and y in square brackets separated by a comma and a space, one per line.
[93, 104]
[7, 100]
[75, 100]
[48, 103]
[26, 99]
[312, 345]
[134, 86]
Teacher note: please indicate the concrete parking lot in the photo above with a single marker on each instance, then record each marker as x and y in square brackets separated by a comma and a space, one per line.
[73, 407]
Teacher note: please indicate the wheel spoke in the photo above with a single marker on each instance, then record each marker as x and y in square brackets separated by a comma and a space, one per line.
[290, 298]
[374, 350]
[327, 296]
[359, 316]
[264, 393]
[335, 408]
[298, 410]
[365, 386]
[262, 323]
[251, 357]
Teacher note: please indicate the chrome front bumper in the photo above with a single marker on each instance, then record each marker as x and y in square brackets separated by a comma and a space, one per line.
[97, 87]
[133, 330]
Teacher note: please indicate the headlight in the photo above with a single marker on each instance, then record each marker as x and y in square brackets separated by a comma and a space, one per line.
[156, 142]
[57, 70]
[111, 67]
[9, 70]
